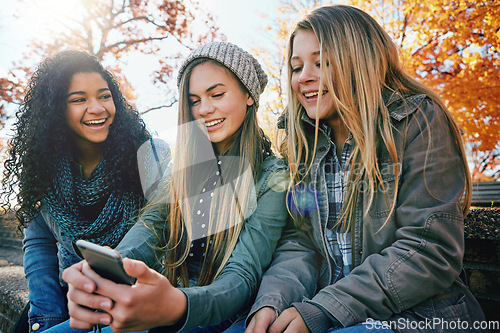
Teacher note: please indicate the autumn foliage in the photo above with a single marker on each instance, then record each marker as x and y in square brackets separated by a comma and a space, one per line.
[451, 46]
[111, 29]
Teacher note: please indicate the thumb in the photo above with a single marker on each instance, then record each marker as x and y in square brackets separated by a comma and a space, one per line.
[251, 326]
[261, 321]
[139, 270]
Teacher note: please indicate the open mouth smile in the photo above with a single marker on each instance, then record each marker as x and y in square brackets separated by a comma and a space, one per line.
[214, 122]
[313, 94]
[95, 122]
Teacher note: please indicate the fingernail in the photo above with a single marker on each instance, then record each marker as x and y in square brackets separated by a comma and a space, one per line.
[88, 287]
[105, 321]
[106, 305]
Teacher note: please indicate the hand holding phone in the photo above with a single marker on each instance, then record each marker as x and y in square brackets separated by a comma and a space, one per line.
[104, 261]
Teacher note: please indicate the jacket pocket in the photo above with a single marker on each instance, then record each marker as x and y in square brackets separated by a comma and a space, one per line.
[445, 312]
[384, 193]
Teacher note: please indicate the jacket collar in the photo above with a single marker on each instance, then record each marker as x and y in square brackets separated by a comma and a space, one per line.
[398, 105]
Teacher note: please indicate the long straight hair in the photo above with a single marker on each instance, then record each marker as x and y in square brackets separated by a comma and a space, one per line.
[232, 200]
[358, 61]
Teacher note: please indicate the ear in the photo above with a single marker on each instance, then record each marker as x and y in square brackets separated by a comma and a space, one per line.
[250, 100]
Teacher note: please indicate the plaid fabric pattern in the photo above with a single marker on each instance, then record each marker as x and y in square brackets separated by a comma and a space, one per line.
[339, 243]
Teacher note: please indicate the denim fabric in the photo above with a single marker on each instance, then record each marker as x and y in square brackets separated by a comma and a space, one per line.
[363, 328]
[43, 244]
[65, 328]
[219, 328]
[236, 327]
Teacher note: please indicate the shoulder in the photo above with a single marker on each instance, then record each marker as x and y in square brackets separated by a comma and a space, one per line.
[272, 163]
[417, 110]
[400, 106]
[274, 170]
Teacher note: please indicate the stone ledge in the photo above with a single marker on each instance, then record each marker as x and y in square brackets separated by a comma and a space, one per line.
[481, 262]
[13, 294]
[483, 223]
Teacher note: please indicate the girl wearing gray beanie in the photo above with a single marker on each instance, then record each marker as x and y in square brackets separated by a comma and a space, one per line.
[216, 219]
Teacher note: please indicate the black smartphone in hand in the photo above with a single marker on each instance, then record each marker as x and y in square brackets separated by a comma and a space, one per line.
[104, 261]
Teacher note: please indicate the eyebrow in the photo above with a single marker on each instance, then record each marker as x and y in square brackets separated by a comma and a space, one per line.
[79, 92]
[297, 57]
[210, 88]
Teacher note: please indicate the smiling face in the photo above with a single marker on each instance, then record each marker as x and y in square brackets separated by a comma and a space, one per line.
[217, 98]
[305, 63]
[90, 109]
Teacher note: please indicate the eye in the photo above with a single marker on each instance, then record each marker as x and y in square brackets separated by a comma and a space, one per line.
[77, 100]
[105, 96]
[194, 102]
[218, 95]
[296, 69]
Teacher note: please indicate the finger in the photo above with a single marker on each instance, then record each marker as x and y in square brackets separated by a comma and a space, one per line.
[282, 322]
[78, 324]
[91, 301]
[140, 271]
[104, 287]
[73, 276]
[82, 317]
[251, 326]
[263, 319]
[296, 326]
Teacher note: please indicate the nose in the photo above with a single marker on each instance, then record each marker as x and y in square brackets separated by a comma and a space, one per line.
[95, 106]
[308, 74]
[206, 108]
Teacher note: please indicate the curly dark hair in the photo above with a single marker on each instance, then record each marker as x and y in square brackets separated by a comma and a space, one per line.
[42, 136]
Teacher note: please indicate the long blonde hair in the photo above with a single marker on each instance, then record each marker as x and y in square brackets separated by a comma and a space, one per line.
[232, 201]
[363, 61]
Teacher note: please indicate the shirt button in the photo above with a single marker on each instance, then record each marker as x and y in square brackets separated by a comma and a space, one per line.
[35, 326]
[322, 149]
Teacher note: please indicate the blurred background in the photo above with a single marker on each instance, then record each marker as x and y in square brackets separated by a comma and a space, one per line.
[451, 46]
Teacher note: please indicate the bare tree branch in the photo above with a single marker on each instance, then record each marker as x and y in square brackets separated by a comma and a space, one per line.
[157, 108]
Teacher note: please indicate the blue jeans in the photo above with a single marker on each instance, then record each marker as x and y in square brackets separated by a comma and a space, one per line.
[373, 326]
[224, 327]
[64, 328]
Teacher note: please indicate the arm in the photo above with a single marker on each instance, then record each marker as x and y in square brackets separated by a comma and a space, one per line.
[151, 301]
[252, 255]
[47, 301]
[426, 245]
[205, 305]
[143, 240]
[291, 277]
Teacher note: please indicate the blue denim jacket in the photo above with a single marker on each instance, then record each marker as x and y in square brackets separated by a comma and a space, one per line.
[233, 291]
[407, 269]
[47, 252]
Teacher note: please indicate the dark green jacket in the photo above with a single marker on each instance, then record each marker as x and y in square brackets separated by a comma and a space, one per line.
[409, 268]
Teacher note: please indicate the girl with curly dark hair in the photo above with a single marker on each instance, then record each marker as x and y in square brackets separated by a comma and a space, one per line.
[72, 171]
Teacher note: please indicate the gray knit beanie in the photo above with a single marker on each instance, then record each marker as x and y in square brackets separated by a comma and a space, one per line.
[240, 62]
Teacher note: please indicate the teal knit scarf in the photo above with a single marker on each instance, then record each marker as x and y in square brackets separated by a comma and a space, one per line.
[69, 195]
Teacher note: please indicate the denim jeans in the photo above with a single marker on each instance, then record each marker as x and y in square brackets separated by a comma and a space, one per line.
[46, 253]
[64, 327]
[372, 326]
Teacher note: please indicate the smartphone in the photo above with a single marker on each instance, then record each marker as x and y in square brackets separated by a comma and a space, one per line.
[104, 261]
